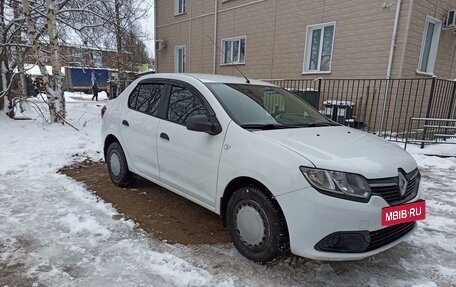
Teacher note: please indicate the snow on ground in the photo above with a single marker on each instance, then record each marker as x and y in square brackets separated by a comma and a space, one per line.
[80, 96]
[54, 232]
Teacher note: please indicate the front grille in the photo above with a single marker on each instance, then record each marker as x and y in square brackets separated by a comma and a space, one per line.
[388, 188]
[387, 235]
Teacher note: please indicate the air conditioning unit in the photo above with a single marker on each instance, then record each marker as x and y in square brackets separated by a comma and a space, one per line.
[450, 21]
[160, 44]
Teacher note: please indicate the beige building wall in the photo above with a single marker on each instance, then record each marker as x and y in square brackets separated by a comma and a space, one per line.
[445, 61]
[276, 34]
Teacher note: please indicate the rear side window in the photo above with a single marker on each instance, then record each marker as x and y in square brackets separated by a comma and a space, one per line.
[183, 103]
[145, 98]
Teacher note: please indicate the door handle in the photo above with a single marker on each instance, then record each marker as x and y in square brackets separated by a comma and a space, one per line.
[164, 136]
[125, 123]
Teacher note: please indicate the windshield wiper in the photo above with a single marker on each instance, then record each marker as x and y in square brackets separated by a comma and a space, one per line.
[267, 126]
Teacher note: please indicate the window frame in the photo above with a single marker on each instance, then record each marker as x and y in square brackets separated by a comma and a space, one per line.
[77, 56]
[308, 49]
[96, 63]
[432, 57]
[180, 9]
[44, 56]
[176, 54]
[223, 52]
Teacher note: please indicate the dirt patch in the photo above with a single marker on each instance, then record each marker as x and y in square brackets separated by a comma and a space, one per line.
[160, 212]
[12, 275]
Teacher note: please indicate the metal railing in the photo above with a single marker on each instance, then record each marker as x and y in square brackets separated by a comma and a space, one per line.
[380, 106]
[433, 131]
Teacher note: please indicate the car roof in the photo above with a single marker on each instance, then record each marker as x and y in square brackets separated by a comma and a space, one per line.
[205, 78]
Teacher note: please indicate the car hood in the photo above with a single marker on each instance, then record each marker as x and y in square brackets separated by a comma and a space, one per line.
[344, 149]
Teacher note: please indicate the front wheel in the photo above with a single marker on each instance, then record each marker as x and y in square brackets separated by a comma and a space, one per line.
[118, 167]
[257, 226]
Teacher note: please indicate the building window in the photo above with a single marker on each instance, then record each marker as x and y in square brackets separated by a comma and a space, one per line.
[96, 58]
[319, 47]
[77, 56]
[429, 45]
[233, 51]
[44, 56]
[179, 59]
[179, 7]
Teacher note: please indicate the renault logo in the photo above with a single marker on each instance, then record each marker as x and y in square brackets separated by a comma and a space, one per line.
[402, 183]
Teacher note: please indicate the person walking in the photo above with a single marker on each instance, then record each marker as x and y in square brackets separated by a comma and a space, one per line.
[95, 91]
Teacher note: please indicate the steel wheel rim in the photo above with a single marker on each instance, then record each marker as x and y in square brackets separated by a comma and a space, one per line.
[250, 225]
[114, 162]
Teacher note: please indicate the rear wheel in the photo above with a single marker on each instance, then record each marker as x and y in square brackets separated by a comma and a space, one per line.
[257, 226]
[118, 167]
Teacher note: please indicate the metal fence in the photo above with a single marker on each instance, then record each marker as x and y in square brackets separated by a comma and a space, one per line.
[379, 106]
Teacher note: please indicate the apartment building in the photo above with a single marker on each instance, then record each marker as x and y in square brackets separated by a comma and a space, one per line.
[306, 39]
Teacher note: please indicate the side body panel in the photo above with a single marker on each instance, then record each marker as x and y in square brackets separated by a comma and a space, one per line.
[247, 154]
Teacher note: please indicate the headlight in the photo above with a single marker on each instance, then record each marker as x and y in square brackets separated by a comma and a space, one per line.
[339, 184]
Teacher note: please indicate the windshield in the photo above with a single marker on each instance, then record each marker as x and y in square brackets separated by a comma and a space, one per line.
[266, 107]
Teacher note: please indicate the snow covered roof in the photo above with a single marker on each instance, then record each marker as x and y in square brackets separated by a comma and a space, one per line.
[34, 70]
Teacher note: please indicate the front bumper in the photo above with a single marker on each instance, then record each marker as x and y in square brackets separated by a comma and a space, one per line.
[312, 216]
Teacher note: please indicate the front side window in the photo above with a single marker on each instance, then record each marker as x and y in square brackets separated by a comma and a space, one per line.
[429, 45]
[179, 59]
[146, 98]
[319, 46]
[179, 7]
[183, 103]
[264, 107]
[233, 51]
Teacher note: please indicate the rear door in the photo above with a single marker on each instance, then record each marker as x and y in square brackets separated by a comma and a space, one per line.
[188, 160]
[139, 125]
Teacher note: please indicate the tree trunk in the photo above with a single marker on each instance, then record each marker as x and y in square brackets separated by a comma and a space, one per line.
[4, 81]
[18, 56]
[53, 84]
[4, 103]
[55, 87]
[119, 46]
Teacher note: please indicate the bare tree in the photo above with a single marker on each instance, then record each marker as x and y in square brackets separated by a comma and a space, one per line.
[47, 24]
[4, 79]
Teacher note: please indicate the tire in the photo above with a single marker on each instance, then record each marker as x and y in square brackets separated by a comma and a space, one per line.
[118, 167]
[257, 226]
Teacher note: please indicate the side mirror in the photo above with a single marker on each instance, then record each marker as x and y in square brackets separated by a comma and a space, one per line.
[202, 123]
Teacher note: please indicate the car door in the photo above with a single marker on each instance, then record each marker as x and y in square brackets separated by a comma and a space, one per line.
[188, 160]
[139, 125]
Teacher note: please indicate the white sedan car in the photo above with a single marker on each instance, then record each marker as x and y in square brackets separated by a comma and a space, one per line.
[283, 177]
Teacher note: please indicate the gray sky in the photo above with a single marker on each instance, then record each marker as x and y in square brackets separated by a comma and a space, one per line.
[148, 28]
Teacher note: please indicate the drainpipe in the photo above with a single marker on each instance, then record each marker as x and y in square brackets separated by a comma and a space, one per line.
[390, 61]
[215, 37]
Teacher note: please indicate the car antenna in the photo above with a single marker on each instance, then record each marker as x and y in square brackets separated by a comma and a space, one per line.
[229, 59]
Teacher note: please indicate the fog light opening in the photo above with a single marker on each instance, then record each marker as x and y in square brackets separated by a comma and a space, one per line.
[354, 242]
